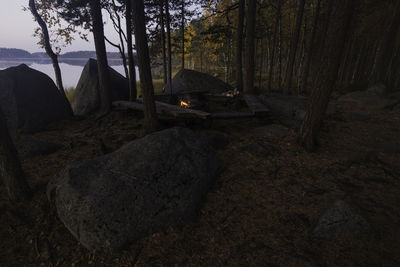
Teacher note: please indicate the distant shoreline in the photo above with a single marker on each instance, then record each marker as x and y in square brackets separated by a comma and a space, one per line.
[70, 61]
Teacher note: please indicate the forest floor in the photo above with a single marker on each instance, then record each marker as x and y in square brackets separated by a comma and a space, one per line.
[260, 212]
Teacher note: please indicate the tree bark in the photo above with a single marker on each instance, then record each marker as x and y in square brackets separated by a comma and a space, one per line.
[169, 48]
[310, 50]
[388, 46]
[336, 39]
[49, 51]
[250, 42]
[272, 59]
[293, 49]
[10, 166]
[239, 46]
[129, 47]
[101, 54]
[146, 81]
[183, 32]
[280, 52]
[261, 64]
[164, 54]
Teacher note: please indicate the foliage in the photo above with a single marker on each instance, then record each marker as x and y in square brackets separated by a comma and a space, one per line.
[61, 33]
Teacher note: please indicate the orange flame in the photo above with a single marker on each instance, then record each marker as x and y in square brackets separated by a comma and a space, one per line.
[184, 104]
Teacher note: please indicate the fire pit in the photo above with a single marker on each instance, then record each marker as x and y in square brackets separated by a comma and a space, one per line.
[202, 105]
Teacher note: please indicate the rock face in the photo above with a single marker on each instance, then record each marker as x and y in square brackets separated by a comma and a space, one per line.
[30, 99]
[271, 132]
[86, 99]
[341, 220]
[373, 98]
[190, 80]
[215, 139]
[289, 110]
[31, 147]
[144, 187]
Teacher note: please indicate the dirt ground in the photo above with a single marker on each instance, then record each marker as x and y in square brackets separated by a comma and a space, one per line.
[260, 212]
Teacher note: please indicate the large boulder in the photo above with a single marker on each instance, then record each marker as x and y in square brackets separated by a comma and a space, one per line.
[374, 98]
[29, 99]
[341, 220]
[86, 99]
[144, 187]
[28, 147]
[194, 81]
[290, 110]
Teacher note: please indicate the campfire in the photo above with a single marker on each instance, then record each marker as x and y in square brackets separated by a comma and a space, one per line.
[185, 104]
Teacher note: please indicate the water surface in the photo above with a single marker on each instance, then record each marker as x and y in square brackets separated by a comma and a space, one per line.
[71, 69]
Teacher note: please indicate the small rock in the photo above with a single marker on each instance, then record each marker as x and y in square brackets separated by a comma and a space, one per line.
[341, 220]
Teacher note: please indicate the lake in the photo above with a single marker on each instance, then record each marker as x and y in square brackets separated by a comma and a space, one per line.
[71, 69]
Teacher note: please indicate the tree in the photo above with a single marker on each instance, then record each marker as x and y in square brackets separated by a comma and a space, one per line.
[250, 42]
[310, 50]
[183, 32]
[388, 45]
[239, 46]
[129, 44]
[326, 79]
[293, 49]
[276, 33]
[49, 51]
[115, 12]
[169, 48]
[163, 51]
[146, 81]
[87, 13]
[101, 54]
[10, 166]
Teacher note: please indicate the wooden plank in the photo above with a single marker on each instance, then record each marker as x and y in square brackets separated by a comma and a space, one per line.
[164, 108]
[181, 111]
[255, 105]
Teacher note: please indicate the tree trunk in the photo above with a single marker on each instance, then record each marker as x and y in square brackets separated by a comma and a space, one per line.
[310, 50]
[250, 39]
[388, 46]
[10, 166]
[129, 47]
[321, 41]
[280, 51]
[169, 48]
[336, 38]
[101, 54]
[239, 46]
[293, 49]
[272, 59]
[261, 64]
[164, 55]
[146, 81]
[49, 51]
[183, 32]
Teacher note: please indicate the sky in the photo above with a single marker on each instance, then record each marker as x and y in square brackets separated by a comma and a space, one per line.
[17, 27]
